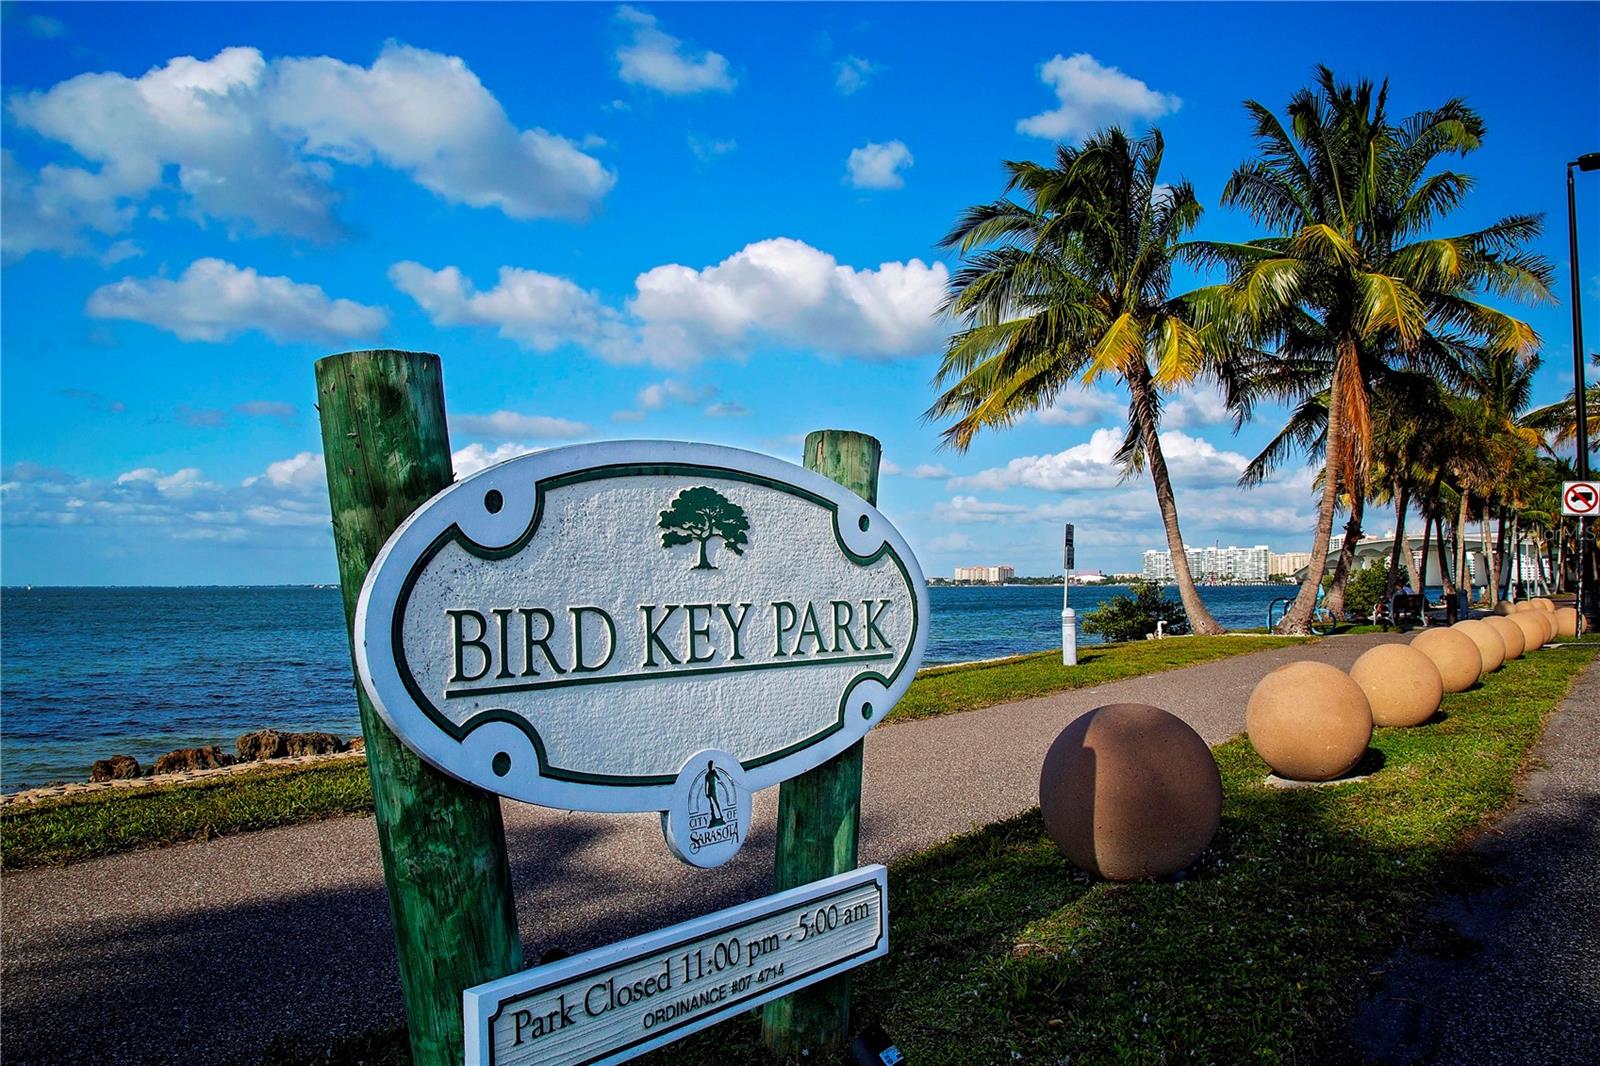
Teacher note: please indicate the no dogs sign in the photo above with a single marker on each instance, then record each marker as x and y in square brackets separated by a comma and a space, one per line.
[641, 626]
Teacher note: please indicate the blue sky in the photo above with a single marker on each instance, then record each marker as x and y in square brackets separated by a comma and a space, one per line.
[713, 223]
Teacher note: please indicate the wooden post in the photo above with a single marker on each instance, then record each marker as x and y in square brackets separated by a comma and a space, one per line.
[819, 812]
[444, 855]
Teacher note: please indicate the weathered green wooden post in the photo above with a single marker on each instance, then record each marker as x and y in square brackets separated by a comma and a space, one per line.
[444, 856]
[819, 812]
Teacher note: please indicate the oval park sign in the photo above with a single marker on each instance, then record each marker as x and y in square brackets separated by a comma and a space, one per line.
[576, 627]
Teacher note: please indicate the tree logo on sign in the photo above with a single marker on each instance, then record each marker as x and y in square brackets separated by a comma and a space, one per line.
[698, 515]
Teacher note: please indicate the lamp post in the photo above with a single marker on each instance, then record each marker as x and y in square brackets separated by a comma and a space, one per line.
[1580, 388]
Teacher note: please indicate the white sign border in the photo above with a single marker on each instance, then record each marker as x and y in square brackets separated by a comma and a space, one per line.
[860, 527]
[1568, 512]
[481, 1003]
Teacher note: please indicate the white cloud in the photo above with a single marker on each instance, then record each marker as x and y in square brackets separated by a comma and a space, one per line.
[656, 59]
[878, 166]
[180, 483]
[727, 409]
[706, 149]
[888, 467]
[215, 301]
[1092, 96]
[1080, 406]
[256, 141]
[267, 409]
[1194, 407]
[786, 293]
[779, 292]
[504, 425]
[930, 472]
[671, 391]
[1192, 461]
[475, 457]
[851, 73]
[952, 542]
[538, 311]
[971, 509]
[44, 27]
[303, 471]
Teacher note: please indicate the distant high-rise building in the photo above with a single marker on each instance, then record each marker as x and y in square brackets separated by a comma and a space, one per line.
[1288, 563]
[989, 575]
[1212, 564]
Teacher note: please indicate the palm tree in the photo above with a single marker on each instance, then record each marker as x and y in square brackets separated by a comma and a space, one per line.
[1560, 420]
[1349, 280]
[1065, 283]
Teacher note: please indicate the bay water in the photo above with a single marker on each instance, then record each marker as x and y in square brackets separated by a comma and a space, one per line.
[87, 673]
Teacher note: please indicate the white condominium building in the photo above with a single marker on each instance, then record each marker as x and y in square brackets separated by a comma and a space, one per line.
[1213, 564]
[993, 575]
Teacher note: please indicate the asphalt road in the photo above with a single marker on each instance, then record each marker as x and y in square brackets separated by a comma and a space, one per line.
[1511, 972]
[212, 952]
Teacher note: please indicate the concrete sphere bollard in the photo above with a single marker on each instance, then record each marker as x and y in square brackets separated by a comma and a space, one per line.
[1454, 653]
[1403, 685]
[1309, 721]
[1130, 791]
[1549, 620]
[1504, 607]
[1511, 633]
[1566, 621]
[1543, 603]
[1490, 647]
[1533, 630]
[1523, 607]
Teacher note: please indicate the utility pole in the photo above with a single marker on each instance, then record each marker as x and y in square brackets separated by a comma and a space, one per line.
[1580, 394]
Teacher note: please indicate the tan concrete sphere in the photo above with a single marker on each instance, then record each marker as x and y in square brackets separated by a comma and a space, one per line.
[1566, 621]
[1130, 791]
[1532, 626]
[1454, 653]
[1511, 633]
[1309, 721]
[1403, 685]
[1504, 607]
[1549, 620]
[1543, 604]
[1491, 647]
[1523, 607]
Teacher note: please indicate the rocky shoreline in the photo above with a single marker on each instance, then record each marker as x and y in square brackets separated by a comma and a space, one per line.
[262, 749]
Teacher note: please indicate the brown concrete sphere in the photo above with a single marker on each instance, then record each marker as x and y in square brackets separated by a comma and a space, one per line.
[1532, 626]
[1511, 633]
[1454, 653]
[1491, 648]
[1309, 721]
[1403, 686]
[1566, 621]
[1130, 791]
[1504, 607]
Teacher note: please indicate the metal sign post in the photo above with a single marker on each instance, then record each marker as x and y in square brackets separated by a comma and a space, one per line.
[1069, 620]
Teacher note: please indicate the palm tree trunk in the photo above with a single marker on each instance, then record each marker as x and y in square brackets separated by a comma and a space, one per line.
[1463, 571]
[1347, 553]
[1516, 559]
[1200, 620]
[1298, 617]
[1446, 585]
[1399, 545]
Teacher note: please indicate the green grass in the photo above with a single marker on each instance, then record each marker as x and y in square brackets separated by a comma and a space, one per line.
[1003, 952]
[104, 823]
[948, 689]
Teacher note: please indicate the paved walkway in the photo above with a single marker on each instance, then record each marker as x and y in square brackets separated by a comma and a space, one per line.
[1512, 973]
[209, 952]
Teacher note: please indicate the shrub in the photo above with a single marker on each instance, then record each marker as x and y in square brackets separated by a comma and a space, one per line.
[1134, 617]
[1362, 591]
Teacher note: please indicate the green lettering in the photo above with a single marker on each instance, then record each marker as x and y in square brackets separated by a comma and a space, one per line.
[734, 626]
[652, 632]
[841, 627]
[462, 642]
[810, 627]
[542, 643]
[780, 626]
[699, 632]
[577, 639]
[872, 622]
[503, 615]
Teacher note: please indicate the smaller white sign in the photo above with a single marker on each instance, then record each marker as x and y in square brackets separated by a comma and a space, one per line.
[617, 1002]
[1580, 499]
[710, 813]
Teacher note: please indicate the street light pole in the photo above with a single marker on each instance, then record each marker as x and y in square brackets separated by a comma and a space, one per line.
[1580, 389]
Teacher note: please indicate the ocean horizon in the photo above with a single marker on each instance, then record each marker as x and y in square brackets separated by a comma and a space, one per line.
[177, 666]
